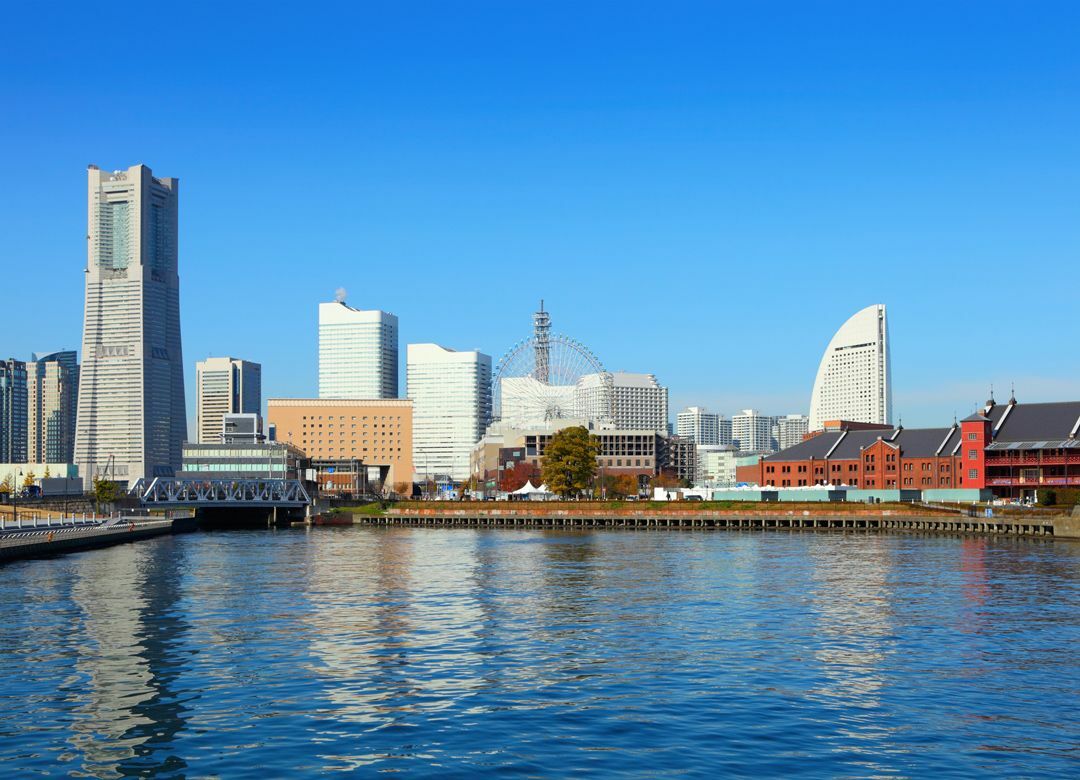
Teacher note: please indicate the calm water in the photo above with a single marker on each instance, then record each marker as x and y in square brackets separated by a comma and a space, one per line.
[446, 653]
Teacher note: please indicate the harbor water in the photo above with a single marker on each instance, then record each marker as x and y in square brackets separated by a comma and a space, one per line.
[298, 652]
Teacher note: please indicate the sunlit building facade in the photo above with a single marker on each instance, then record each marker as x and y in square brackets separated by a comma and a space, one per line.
[854, 379]
[358, 352]
[224, 385]
[451, 395]
[131, 409]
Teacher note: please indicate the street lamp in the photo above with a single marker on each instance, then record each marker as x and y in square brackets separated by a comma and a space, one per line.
[15, 495]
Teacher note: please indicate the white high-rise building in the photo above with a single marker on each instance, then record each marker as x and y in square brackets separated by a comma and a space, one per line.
[699, 424]
[723, 431]
[854, 379]
[790, 430]
[52, 381]
[358, 353]
[131, 418]
[224, 385]
[639, 402]
[751, 431]
[451, 396]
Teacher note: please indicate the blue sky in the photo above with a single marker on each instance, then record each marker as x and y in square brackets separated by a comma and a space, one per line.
[700, 190]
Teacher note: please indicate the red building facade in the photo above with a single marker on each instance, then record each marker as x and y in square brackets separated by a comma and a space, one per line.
[900, 458]
[1014, 449]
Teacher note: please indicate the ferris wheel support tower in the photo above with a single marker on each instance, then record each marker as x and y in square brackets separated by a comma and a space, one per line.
[542, 338]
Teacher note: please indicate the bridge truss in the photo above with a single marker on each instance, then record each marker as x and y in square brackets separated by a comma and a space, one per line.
[238, 493]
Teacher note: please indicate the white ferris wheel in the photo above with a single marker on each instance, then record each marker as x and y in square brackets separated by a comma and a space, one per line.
[549, 377]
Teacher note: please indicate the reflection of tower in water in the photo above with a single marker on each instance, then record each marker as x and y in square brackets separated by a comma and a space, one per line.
[130, 658]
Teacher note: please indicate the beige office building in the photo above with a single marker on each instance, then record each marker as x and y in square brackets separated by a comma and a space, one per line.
[377, 432]
[224, 385]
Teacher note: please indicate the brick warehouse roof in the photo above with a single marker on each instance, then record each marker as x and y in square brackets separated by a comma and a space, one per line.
[1038, 422]
[913, 443]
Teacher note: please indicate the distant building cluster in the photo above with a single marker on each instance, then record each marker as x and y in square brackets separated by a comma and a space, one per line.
[463, 418]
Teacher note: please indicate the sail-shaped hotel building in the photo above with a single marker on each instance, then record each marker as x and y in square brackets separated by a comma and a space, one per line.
[854, 379]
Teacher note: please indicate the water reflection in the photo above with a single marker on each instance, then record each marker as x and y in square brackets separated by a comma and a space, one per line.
[459, 652]
[128, 657]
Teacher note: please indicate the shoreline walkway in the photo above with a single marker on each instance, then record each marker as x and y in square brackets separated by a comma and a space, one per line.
[38, 538]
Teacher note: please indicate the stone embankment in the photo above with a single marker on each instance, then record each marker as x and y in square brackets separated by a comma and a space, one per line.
[850, 518]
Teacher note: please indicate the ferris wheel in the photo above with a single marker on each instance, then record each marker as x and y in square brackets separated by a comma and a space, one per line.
[549, 377]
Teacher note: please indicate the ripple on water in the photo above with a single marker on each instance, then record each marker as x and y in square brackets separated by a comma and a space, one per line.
[451, 652]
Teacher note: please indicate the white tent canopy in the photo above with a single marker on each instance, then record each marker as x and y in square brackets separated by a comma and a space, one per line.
[529, 489]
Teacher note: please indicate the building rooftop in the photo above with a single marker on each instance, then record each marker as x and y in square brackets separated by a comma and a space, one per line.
[1038, 422]
[847, 445]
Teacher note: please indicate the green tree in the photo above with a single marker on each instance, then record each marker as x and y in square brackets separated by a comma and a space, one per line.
[105, 491]
[569, 461]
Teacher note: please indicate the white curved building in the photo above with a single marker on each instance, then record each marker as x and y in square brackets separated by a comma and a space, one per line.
[854, 380]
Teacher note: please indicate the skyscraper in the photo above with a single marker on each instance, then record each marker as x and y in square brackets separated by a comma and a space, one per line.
[451, 395]
[131, 419]
[224, 385]
[751, 431]
[358, 352]
[52, 393]
[699, 424]
[12, 411]
[854, 379]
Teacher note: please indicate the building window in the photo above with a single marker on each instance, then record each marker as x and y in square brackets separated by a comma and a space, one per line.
[973, 474]
[973, 436]
[973, 454]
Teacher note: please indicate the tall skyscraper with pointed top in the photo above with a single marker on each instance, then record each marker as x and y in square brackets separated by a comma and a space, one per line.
[131, 417]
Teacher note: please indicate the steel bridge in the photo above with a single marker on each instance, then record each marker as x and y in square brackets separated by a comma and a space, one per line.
[223, 493]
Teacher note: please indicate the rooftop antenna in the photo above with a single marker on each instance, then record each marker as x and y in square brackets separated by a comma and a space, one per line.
[1012, 392]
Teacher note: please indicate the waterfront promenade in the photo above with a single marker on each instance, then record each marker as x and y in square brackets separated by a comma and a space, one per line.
[36, 537]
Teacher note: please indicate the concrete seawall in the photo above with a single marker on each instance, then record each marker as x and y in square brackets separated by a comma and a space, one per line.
[45, 541]
[1065, 527]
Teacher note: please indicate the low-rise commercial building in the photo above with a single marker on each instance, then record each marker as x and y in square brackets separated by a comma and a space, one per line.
[243, 460]
[716, 466]
[377, 432]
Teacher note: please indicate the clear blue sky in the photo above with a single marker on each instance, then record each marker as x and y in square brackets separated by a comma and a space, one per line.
[700, 190]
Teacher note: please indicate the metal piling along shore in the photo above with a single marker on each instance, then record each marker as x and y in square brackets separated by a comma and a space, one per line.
[1041, 527]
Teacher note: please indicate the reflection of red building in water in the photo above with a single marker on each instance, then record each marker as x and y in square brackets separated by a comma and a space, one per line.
[1015, 448]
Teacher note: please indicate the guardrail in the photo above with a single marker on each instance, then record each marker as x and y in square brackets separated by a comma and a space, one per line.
[72, 521]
